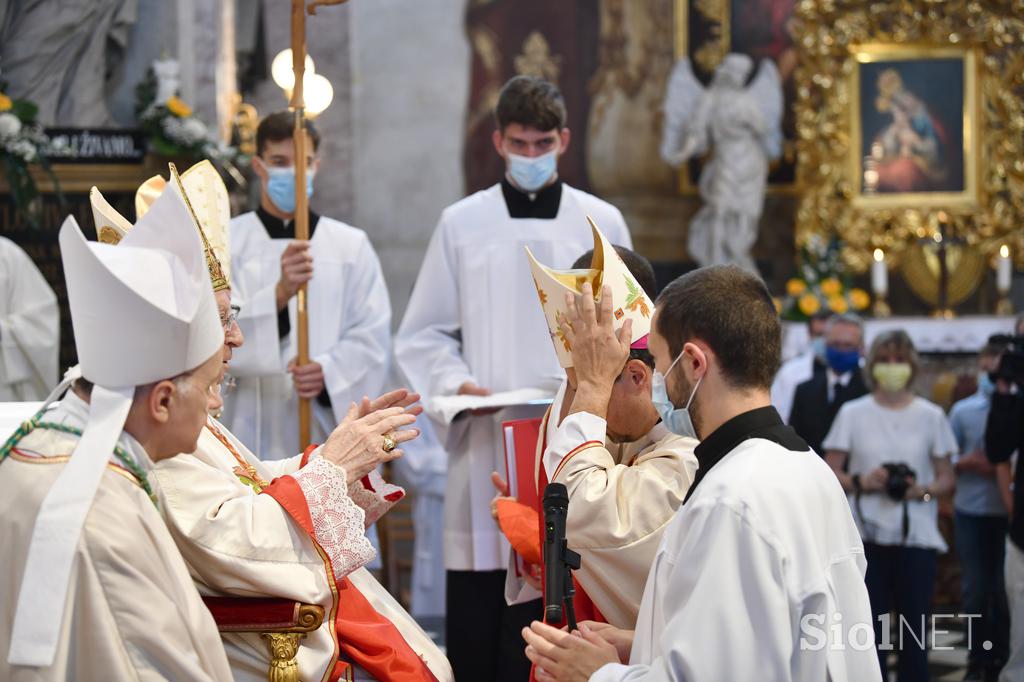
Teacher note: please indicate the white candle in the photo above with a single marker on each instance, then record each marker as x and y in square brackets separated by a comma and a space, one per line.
[1004, 269]
[879, 274]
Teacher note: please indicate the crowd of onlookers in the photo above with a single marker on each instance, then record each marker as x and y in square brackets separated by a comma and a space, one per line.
[897, 455]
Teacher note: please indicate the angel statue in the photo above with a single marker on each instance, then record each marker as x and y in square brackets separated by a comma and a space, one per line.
[743, 125]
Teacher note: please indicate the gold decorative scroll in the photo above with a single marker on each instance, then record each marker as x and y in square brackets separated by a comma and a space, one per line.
[830, 35]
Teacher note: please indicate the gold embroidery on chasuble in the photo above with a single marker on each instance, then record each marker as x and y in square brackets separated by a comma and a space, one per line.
[245, 471]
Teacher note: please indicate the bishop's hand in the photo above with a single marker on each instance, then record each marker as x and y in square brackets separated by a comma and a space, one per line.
[359, 443]
[598, 352]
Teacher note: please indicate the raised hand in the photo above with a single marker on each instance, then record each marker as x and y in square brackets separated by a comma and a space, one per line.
[358, 444]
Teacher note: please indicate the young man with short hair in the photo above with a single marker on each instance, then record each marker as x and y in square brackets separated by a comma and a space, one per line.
[472, 327]
[760, 574]
[349, 309]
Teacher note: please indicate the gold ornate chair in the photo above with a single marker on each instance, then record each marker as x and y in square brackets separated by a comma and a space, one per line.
[283, 623]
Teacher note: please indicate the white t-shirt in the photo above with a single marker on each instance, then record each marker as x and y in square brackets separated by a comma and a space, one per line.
[872, 435]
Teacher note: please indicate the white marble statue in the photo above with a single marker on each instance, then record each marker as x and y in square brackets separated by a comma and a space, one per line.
[742, 126]
[168, 78]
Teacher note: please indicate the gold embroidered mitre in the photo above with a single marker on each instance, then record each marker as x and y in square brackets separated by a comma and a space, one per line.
[629, 300]
[111, 226]
[207, 199]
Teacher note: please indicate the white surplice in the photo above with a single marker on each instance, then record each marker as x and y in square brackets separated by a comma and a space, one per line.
[755, 574]
[349, 333]
[29, 328]
[474, 317]
[132, 610]
[621, 499]
[237, 542]
[424, 468]
[791, 374]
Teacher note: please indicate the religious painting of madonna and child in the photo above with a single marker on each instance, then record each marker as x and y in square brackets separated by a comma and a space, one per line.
[913, 112]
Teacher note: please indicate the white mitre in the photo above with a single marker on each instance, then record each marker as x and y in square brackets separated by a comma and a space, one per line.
[629, 300]
[141, 311]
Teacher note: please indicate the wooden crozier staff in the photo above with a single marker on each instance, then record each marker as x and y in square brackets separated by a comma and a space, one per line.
[298, 105]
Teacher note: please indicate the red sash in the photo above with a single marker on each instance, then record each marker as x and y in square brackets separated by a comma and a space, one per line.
[365, 636]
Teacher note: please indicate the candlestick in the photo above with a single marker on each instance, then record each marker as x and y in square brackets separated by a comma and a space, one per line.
[1004, 269]
[1004, 277]
[880, 284]
[879, 274]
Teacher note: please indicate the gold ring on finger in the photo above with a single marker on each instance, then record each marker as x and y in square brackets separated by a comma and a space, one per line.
[389, 442]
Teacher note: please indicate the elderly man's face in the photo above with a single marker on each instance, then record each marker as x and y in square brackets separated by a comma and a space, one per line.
[187, 408]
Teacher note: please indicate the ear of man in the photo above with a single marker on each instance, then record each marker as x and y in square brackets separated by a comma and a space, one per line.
[160, 399]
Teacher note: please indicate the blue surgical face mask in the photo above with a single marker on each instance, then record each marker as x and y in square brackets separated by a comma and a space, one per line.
[818, 347]
[842, 361]
[532, 173]
[985, 384]
[676, 419]
[281, 187]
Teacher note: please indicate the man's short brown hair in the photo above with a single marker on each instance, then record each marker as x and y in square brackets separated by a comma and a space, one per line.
[731, 311]
[280, 125]
[531, 102]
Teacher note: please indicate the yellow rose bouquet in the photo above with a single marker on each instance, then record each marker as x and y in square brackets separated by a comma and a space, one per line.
[821, 285]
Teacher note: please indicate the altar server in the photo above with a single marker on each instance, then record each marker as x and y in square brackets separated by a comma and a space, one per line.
[349, 309]
[29, 328]
[92, 585]
[472, 327]
[760, 574]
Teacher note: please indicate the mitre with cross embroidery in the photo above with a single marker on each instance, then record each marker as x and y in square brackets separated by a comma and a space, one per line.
[629, 300]
[206, 198]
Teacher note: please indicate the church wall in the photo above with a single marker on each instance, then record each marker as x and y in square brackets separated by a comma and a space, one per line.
[410, 82]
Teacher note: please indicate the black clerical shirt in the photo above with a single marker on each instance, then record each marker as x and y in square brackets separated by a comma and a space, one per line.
[763, 422]
[544, 204]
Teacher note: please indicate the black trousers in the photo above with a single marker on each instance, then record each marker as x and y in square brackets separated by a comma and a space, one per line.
[482, 632]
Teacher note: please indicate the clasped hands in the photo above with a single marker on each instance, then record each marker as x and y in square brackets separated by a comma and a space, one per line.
[359, 443]
[560, 656]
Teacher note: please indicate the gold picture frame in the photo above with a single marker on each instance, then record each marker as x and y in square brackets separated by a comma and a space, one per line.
[965, 189]
[836, 40]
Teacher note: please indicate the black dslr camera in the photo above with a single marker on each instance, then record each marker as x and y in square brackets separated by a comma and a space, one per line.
[1011, 364]
[898, 484]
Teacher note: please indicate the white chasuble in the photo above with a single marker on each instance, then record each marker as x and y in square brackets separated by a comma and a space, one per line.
[242, 543]
[349, 333]
[132, 612]
[473, 317]
[29, 328]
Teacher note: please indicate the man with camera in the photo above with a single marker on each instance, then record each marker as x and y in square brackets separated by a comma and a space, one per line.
[1004, 435]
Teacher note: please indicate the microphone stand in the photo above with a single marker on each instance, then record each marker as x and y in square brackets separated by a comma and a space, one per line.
[570, 562]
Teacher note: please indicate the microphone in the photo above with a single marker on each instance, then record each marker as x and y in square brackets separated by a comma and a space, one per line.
[558, 559]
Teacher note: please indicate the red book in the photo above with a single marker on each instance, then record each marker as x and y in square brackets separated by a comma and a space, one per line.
[520, 437]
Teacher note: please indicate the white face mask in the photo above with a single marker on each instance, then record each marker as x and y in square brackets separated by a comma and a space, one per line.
[676, 419]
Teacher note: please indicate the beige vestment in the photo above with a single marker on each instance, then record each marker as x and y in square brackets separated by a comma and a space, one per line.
[132, 611]
[621, 498]
[241, 543]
